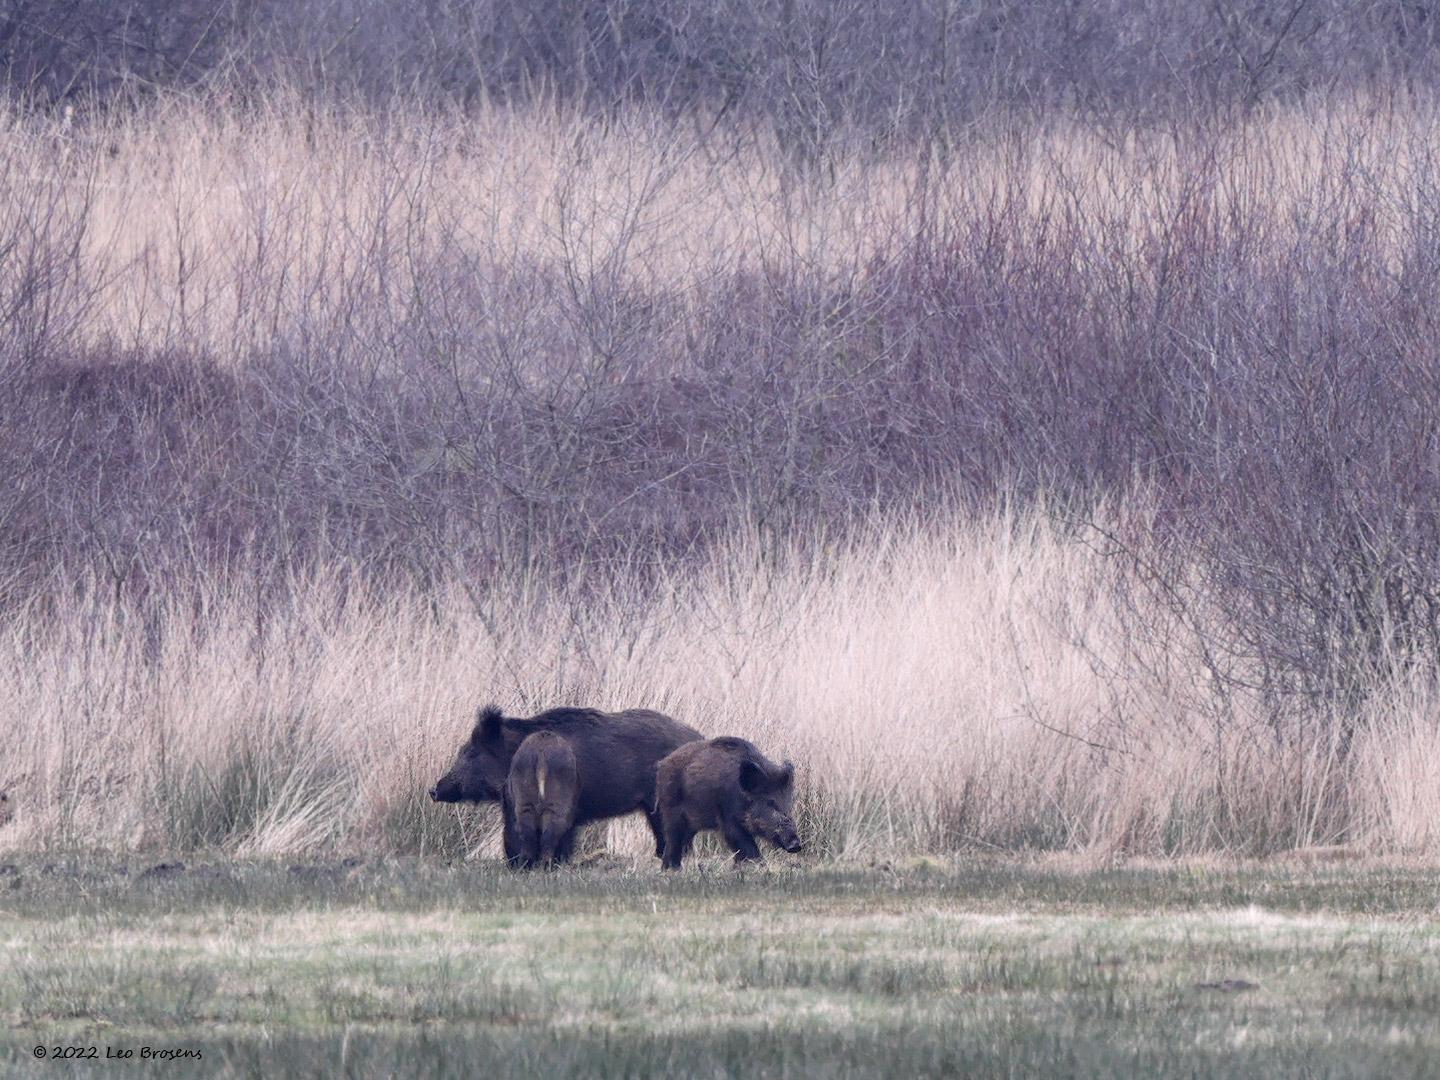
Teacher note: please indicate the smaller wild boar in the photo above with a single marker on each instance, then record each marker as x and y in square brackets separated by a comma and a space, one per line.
[724, 784]
[541, 794]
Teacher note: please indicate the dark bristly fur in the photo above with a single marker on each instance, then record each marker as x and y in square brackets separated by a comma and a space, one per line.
[725, 784]
[541, 794]
[615, 755]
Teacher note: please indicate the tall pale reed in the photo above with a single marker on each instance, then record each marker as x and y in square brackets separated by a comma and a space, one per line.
[970, 684]
[199, 226]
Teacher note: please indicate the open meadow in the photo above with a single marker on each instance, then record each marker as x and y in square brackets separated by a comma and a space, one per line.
[983, 967]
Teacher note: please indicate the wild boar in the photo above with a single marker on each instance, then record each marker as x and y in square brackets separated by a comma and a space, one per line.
[615, 758]
[541, 794]
[725, 784]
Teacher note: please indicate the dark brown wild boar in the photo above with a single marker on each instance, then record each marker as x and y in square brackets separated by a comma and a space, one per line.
[725, 784]
[615, 756]
[540, 797]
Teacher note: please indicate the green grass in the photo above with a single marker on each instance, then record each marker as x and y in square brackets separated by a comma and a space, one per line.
[993, 968]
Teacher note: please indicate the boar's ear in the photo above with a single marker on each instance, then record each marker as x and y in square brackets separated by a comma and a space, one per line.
[487, 726]
[752, 777]
[786, 776]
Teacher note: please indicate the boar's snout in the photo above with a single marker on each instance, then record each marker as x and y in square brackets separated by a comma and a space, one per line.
[783, 834]
[446, 790]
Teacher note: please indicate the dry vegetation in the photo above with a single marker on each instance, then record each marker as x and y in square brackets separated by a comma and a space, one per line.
[229, 228]
[1068, 488]
[954, 686]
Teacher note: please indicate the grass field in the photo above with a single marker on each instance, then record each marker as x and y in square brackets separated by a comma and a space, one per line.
[978, 968]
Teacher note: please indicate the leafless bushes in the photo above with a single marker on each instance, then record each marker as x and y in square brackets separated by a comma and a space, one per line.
[1239, 324]
[807, 68]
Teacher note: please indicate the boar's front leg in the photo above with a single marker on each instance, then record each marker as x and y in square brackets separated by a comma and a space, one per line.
[739, 838]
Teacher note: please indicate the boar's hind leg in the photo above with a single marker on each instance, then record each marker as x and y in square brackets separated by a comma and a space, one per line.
[529, 842]
[739, 838]
[553, 834]
[565, 845]
[657, 826]
[510, 836]
[678, 836]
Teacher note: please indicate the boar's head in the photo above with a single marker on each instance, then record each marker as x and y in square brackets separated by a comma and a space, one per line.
[770, 810]
[481, 766]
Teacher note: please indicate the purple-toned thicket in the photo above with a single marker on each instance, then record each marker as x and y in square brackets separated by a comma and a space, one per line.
[804, 67]
[1262, 368]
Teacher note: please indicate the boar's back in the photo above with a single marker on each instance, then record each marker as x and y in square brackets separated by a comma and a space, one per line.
[615, 753]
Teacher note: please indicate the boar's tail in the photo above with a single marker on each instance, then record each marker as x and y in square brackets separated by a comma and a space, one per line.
[541, 775]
